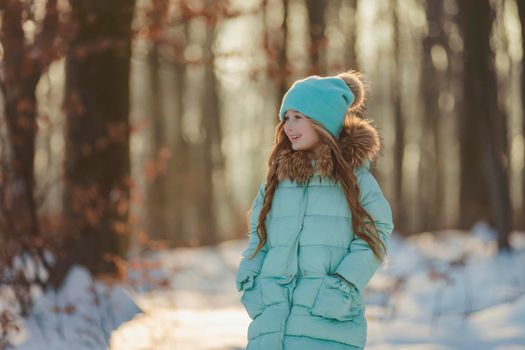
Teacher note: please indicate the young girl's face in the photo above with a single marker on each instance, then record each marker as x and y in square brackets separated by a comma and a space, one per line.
[300, 131]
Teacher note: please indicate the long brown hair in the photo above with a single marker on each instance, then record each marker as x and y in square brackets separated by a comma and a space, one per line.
[362, 223]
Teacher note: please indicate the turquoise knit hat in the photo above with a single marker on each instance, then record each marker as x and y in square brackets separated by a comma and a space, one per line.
[324, 99]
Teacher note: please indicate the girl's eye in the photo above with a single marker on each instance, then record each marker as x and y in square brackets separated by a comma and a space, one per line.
[286, 118]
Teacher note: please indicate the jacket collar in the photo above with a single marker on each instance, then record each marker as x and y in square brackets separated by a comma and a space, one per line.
[359, 142]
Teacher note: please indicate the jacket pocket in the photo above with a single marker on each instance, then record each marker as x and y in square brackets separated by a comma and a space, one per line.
[337, 300]
[252, 297]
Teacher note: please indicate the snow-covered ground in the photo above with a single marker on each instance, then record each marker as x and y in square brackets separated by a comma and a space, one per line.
[442, 290]
[81, 315]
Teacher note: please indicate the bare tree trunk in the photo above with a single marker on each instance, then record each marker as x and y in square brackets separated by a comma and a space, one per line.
[20, 114]
[502, 86]
[431, 187]
[23, 66]
[18, 203]
[213, 160]
[156, 190]
[351, 37]
[283, 63]
[399, 208]
[481, 109]
[454, 85]
[179, 174]
[474, 199]
[316, 15]
[278, 65]
[521, 11]
[97, 161]
[350, 33]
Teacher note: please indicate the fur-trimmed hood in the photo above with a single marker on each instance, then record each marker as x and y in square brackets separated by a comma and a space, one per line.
[359, 142]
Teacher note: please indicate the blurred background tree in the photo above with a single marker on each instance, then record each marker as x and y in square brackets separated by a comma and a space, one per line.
[143, 125]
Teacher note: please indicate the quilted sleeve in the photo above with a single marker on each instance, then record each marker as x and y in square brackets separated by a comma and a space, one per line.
[360, 263]
[251, 267]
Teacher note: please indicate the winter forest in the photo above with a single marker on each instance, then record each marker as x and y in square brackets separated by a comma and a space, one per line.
[134, 135]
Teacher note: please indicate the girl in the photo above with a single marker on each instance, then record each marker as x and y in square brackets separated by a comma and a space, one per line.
[318, 226]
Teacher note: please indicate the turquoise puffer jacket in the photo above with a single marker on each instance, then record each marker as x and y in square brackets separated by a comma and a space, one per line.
[304, 289]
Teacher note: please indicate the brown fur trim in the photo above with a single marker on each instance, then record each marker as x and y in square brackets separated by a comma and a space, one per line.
[359, 141]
